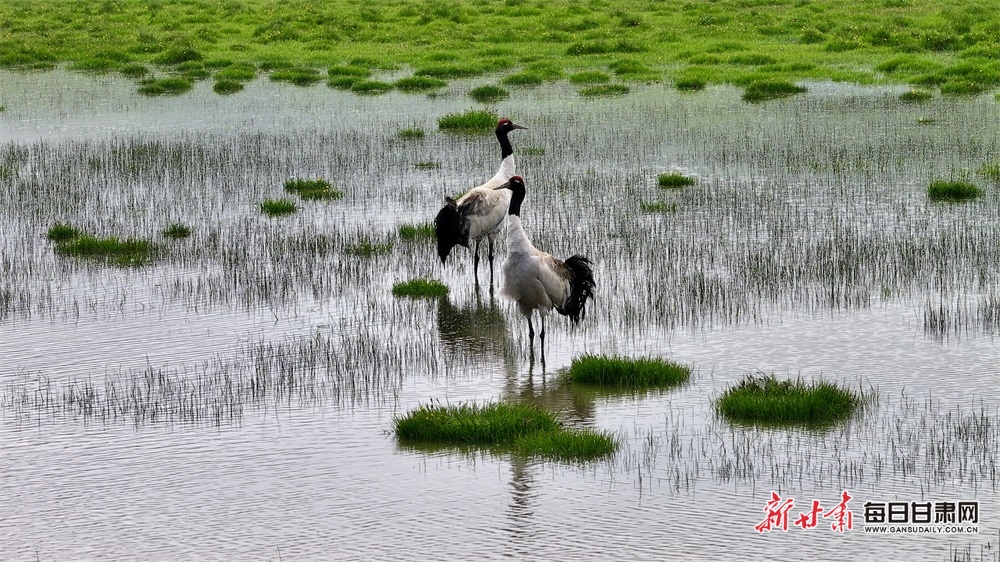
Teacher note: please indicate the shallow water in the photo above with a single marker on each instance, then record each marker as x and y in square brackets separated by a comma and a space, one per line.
[233, 400]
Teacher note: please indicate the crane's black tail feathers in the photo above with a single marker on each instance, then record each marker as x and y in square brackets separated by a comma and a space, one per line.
[581, 288]
[451, 229]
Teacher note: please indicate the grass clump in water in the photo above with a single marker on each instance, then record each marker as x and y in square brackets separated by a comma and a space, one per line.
[942, 190]
[424, 231]
[127, 252]
[312, 190]
[225, 87]
[61, 232]
[915, 96]
[420, 288]
[169, 86]
[177, 231]
[368, 248]
[526, 429]
[411, 133]
[674, 181]
[590, 77]
[277, 207]
[690, 84]
[765, 399]
[765, 90]
[300, 76]
[472, 121]
[488, 94]
[371, 87]
[605, 90]
[419, 84]
[627, 372]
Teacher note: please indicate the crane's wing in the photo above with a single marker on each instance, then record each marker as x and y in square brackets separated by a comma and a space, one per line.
[554, 275]
[484, 210]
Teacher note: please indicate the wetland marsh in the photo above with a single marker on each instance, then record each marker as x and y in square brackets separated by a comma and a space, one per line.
[233, 397]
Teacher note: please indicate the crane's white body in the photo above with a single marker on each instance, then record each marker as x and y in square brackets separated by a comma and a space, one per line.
[532, 278]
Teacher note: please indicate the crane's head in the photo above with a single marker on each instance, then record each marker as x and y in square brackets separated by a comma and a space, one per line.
[506, 125]
[516, 185]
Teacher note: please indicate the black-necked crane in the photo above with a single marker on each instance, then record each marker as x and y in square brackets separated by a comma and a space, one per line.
[539, 281]
[479, 214]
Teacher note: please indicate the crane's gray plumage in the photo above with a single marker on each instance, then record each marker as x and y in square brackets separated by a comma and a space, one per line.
[478, 214]
[539, 281]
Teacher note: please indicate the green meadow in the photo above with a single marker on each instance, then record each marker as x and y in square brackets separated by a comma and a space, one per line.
[953, 46]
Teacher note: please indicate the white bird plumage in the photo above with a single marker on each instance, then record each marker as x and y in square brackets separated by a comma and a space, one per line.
[539, 281]
[479, 214]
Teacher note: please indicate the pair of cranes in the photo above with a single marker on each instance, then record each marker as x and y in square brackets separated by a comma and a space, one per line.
[532, 278]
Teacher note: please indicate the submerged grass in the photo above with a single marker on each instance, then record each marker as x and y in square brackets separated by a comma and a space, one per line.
[169, 86]
[420, 288]
[604, 90]
[658, 207]
[765, 399]
[472, 121]
[525, 429]
[124, 252]
[367, 248]
[313, 190]
[177, 231]
[942, 190]
[277, 207]
[488, 94]
[626, 372]
[411, 133]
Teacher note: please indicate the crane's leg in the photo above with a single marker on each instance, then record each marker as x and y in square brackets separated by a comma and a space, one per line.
[475, 263]
[541, 336]
[531, 335]
[491, 261]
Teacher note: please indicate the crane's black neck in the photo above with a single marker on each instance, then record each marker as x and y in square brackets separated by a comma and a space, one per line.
[516, 199]
[505, 148]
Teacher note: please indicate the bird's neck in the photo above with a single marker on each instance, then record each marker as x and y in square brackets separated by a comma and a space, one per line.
[505, 148]
[517, 240]
[514, 210]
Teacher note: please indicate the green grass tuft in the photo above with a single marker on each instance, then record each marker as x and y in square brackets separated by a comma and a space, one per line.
[368, 248]
[169, 86]
[488, 94]
[475, 120]
[626, 372]
[411, 133]
[525, 429]
[313, 190]
[348, 70]
[61, 232]
[770, 90]
[237, 73]
[942, 190]
[277, 207]
[127, 252]
[765, 399]
[427, 165]
[225, 87]
[299, 76]
[690, 84]
[590, 77]
[371, 87]
[605, 90]
[177, 231]
[420, 288]
[419, 84]
[424, 231]
[915, 96]
[177, 56]
[523, 78]
[673, 180]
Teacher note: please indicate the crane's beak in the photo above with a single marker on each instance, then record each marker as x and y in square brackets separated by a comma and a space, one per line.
[516, 126]
[504, 186]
